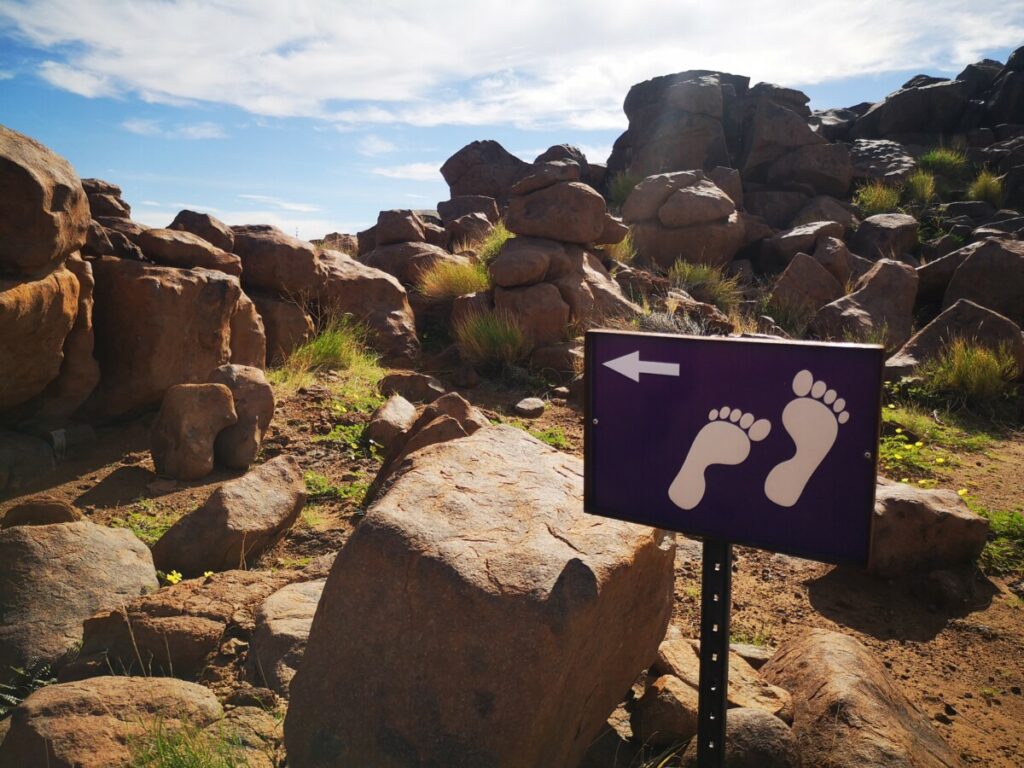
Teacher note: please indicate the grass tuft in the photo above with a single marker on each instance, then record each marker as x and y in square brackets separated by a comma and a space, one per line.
[988, 187]
[920, 187]
[619, 188]
[146, 520]
[188, 747]
[489, 247]
[446, 280]
[967, 376]
[623, 251]
[491, 340]
[340, 346]
[1004, 551]
[877, 197]
[22, 683]
[944, 161]
[707, 284]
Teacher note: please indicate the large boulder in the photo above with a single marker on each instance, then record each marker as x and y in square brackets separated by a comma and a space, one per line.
[775, 131]
[753, 739]
[590, 291]
[286, 324]
[881, 308]
[524, 261]
[567, 211]
[40, 510]
[53, 577]
[886, 236]
[547, 174]
[157, 327]
[992, 276]
[176, 248]
[399, 226]
[283, 622]
[848, 713]
[919, 530]
[211, 229]
[183, 434]
[391, 421]
[408, 261]
[45, 213]
[502, 639]
[698, 203]
[928, 109]
[248, 336]
[783, 246]
[539, 310]
[375, 298]
[826, 168]
[483, 168]
[237, 446]
[275, 262]
[36, 317]
[715, 243]
[880, 159]
[239, 522]
[805, 284]
[963, 320]
[464, 205]
[96, 723]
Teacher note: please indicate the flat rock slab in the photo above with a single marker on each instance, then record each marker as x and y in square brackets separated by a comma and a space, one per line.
[498, 624]
[282, 629]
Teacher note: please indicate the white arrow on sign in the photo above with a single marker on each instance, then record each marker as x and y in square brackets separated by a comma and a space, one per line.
[631, 366]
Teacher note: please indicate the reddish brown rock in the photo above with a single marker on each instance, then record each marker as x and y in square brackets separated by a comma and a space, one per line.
[483, 168]
[45, 213]
[408, 261]
[283, 622]
[523, 261]
[416, 387]
[212, 230]
[567, 211]
[450, 210]
[546, 174]
[666, 714]
[805, 284]
[886, 236]
[238, 445]
[992, 276]
[175, 248]
[399, 226]
[774, 131]
[286, 325]
[183, 434]
[802, 239]
[715, 243]
[880, 308]
[825, 168]
[699, 203]
[521, 627]
[40, 510]
[539, 310]
[391, 421]
[239, 522]
[275, 262]
[248, 336]
[647, 197]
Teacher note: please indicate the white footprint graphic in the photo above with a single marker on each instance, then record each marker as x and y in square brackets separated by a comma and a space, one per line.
[725, 439]
[812, 420]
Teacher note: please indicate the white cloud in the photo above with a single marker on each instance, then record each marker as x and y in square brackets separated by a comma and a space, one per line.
[145, 127]
[142, 127]
[201, 131]
[307, 228]
[410, 171]
[428, 64]
[5, 75]
[284, 205]
[372, 145]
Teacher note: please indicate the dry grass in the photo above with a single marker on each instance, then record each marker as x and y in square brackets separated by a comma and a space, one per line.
[707, 284]
[988, 187]
[491, 340]
[340, 346]
[446, 280]
[877, 197]
[920, 186]
[624, 251]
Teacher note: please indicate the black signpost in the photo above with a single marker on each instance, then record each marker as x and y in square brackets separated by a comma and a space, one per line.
[756, 442]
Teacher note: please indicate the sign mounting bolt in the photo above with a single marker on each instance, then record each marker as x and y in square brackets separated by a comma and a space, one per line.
[594, 422]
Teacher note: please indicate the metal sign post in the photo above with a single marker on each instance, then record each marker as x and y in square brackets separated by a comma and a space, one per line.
[761, 443]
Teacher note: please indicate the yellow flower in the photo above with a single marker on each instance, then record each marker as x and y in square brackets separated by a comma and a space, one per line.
[207, 574]
[921, 482]
[940, 460]
[899, 430]
[962, 492]
[173, 577]
[892, 407]
[898, 457]
[919, 444]
[904, 479]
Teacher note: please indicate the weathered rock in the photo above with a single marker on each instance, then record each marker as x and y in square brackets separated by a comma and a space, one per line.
[415, 387]
[880, 159]
[805, 284]
[175, 248]
[928, 109]
[523, 261]
[275, 262]
[547, 174]
[110, 206]
[963, 320]
[40, 510]
[919, 530]
[699, 203]
[826, 168]
[347, 244]
[157, 327]
[374, 298]
[457, 207]
[239, 522]
[647, 197]
[707, 316]
[391, 421]
[778, 207]
[530, 407]
[614, 231]
[833, 255]
[399, 226]
[53, 577]
[558, 360]
[183, 434]
[539, 310]
[212, 230]
[483, 168]
[886, 236]
[254, 732]
[408, 261]
[248, 336]
[95, 723]
[45, 214]
[521, 628]
[468, 229]
[848, 712]
[753, 739]
[881, 307]
[286, 324]
[23, 460]
[282, 629]
[825, 208]
[35, 319]
[176, 631]
[729, 181]
[774, 132]
[992, 276]
[567, 211]
[802, 239]
[666, 714]
[238, 445]
[715, 243]
[591, 293]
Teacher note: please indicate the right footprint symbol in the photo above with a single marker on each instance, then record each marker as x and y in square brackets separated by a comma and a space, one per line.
[812, 420]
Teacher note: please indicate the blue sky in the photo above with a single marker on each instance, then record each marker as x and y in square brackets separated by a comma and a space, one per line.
[315, 115]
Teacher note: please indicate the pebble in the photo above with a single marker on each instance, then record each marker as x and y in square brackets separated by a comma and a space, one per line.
[530, 407]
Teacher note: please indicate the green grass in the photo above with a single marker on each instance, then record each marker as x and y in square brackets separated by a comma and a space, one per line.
[919, 447]
[988, 187]
[22, 683]
[794, 319]
[350, 437]
[623, 251]
[968, 376]
[707, 284]
[446, 280]
[619, 189]
[320, 488]
[920, 187]
[553, 436]
[944, 161]
[188, 747]
[488, 248]
[340, 346]
[877, 197]
[758, 637]
[491, 340]
[1004, 551]
[146, 520]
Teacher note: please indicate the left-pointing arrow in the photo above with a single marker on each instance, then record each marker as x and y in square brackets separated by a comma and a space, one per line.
[631, 366]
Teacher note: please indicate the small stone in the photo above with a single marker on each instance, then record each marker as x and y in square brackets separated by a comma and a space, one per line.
[530, 407]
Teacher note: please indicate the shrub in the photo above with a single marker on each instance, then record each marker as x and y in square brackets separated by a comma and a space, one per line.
[877, 197]
[944, 161]
[188, 747]
[707, 284]
[340, 345]
[988, 187]
[968, 376]
[491, 339]
[488, 248]
[619, 188]
[23, 683]
[624, 251]
[920, 186]
[445, 280]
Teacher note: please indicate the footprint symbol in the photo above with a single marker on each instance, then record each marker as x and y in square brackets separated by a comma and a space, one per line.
[812, 420]
[725, 439]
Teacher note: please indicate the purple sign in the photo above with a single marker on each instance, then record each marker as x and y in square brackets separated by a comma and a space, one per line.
[764, 443]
